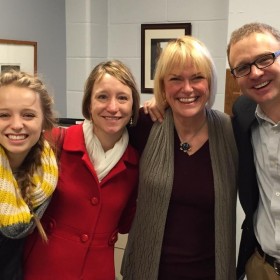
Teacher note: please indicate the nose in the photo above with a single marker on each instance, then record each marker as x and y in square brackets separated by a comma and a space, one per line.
[187, 87]
[112, 105]
[16, 123]
[255, 71]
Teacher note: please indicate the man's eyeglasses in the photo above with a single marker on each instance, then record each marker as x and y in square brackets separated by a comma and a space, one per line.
[261, 62]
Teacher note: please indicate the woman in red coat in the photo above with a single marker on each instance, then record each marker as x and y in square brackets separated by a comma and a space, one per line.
[96, 193]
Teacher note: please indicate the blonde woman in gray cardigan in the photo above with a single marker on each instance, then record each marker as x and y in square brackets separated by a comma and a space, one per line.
[184, 226]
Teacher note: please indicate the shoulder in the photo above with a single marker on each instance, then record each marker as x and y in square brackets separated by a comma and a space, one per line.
[217, 117]
[244, 105]
[243, 113]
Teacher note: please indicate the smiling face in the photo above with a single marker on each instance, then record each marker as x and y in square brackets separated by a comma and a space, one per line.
[21, 121]
[186, 92]
[111, 108]
[262, 85]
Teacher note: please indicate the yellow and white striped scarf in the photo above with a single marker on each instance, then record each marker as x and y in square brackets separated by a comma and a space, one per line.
[13, 209]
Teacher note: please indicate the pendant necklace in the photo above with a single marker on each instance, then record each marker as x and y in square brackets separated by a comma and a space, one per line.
[186, 146]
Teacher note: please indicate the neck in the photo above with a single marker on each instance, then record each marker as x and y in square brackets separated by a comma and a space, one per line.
[192, 133]
[15, 161]
[189, 126]
[108, 141]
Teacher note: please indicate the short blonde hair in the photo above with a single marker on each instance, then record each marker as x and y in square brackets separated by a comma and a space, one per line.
[175, 55]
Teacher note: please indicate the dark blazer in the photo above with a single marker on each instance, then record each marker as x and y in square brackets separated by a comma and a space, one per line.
[243, 118]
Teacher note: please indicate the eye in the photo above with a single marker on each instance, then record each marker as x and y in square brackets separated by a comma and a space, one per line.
[101, 97]
[242, 68]
[29, 116]
[175, 78]
[4, 115]
[264, 60]
[123, 98]
[198, 78]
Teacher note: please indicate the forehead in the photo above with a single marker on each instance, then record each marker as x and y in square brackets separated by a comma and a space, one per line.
[110, 83]
[19, 98]
[249, 48]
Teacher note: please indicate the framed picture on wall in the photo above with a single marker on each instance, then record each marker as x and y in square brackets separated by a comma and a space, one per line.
[154, 38]
[18, 55]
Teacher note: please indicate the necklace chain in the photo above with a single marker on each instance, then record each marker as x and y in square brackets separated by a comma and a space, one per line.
[186, 146]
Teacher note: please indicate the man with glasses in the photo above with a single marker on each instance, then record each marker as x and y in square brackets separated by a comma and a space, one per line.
[253, 55]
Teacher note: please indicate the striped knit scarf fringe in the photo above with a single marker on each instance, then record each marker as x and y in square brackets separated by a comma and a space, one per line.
[14, 212]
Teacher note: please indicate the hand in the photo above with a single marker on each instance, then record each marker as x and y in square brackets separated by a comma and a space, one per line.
[156, 113]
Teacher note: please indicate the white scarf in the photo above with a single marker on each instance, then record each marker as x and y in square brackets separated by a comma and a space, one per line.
[102, 161]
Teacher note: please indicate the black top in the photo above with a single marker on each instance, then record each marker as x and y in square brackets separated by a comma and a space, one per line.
[11, 252]
[188, 249]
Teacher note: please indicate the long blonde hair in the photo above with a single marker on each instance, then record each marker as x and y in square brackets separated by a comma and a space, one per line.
[33, 159]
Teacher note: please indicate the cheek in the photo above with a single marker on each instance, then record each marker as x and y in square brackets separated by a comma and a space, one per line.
[129, 109]
[203, 88]
[93, 110]
[38, 130]
[170, 90]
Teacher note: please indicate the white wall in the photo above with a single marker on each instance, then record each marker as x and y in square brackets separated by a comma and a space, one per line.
[87, 45]
[98, 29]
[241, 12]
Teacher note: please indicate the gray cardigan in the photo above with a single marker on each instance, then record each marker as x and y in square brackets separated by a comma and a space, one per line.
[142, 254]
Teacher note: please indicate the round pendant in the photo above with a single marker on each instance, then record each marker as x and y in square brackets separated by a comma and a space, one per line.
[185, 147]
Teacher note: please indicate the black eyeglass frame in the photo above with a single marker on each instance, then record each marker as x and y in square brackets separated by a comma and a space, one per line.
[274, 56]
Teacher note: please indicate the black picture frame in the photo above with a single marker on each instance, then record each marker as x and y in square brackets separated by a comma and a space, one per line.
[153, 39]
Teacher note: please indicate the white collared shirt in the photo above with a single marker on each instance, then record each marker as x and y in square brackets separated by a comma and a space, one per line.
[266, 147]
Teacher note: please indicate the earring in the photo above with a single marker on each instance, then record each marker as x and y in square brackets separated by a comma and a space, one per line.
[131, 122]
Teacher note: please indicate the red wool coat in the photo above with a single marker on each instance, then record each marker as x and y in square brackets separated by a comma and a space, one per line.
[84, 217]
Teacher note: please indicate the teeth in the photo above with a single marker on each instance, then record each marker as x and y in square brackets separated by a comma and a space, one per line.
[261, 85]
[187, 100]
[16, 137]
[112, 118]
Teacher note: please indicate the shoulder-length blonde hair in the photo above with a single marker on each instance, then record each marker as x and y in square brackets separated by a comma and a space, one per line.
[175, 56]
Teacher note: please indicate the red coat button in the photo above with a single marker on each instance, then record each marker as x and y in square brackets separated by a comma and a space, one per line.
[84, 237]
[51, 225]
[94, 200]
